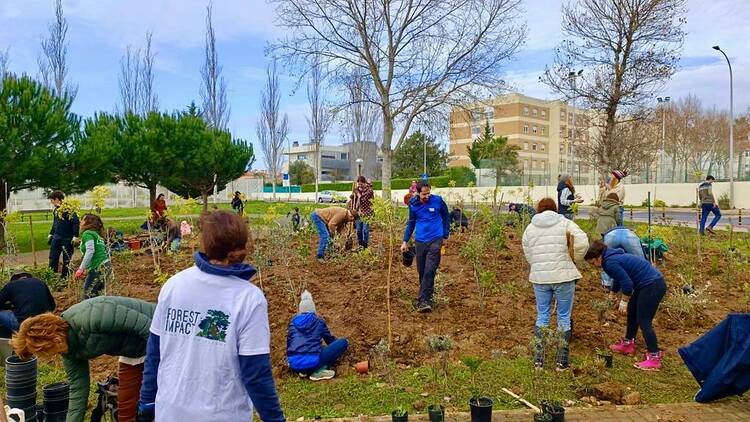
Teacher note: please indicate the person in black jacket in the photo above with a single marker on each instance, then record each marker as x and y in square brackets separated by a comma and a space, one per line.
[238, 206]
[305, 354]
[23, 297]
[459, 219]
[64, 229]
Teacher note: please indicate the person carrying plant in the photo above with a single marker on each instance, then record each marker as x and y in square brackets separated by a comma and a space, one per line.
[303, 349]
[643, 288]
[625, 239]
[607, 214]
[363, 195]
[330, 221]
[618, 188]
[62, 235]
[208, 355]
[708, 205]
[104, 325]
[95, 264]
[24, 296]
[430, 219]
[553, 274]
[238, 205]
[566, 196]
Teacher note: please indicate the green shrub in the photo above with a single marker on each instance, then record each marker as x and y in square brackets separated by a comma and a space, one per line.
[657, 203]
[461, 175]
[724, 201]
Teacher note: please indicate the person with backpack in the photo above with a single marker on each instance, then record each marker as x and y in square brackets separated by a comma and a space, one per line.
[305, 354]
[566, 196]
[208, 354]
[61, 237]
[24, 296]
[430, 219]
[708, 205]
[643, 288]
[625, 239]
[104, 325]
[95, 265]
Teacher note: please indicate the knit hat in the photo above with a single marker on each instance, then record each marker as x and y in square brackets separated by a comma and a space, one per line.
[619, 174]
[306, 303]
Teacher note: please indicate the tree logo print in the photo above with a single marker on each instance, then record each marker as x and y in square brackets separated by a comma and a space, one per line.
[214, 325]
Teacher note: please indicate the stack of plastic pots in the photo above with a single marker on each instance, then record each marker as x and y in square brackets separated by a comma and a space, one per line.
[20, 383]
[56, 401]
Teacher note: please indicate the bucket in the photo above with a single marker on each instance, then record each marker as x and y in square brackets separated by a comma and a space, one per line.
[134, 244]
[407, 258]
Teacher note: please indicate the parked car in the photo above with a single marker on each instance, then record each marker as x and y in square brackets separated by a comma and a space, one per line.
[331, 197]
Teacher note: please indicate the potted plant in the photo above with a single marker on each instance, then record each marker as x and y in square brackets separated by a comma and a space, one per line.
[605, 356]
[436, 412]
[554, 409]
[542, 417]
[481, 407]
[400, 415]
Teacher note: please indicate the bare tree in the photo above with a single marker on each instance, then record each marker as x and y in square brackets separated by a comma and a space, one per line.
[320, 116]
[628, 48]
[149, 99]
[130, 81]
[420, 56]
[272, 130]
[360, 120]
[53, 68]
[214, 88]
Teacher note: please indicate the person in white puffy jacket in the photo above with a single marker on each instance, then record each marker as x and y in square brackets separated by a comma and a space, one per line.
[553, 274]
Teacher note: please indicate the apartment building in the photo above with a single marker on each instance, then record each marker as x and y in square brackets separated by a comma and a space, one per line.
[338, 162]
[542, 129]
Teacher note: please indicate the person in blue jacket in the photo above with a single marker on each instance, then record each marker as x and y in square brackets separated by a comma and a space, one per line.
[623, 238]
[643, 288]
[305, 354]
[430, 218]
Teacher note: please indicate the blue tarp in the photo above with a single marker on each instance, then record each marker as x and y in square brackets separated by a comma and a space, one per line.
[720, 359]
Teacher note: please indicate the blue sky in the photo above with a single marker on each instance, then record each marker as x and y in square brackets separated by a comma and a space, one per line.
[100, 31]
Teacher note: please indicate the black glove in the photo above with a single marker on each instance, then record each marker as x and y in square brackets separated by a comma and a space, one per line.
[145, 413]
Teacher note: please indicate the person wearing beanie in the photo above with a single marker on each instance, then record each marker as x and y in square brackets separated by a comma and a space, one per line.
[305, 354]
[617, 187]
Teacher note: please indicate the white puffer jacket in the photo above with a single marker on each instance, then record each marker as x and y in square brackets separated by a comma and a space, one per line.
[545, 245]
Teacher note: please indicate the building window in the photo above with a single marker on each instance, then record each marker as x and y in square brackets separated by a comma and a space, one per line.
[533, 129]
[475, 131]
[533, 147]
[542, 145]
[489, 113]
[543, 129]
[525, 128]
[525, 111]
[525, 146]
[534, 112]
[328, 156]
[344, 156]
[544, 114]
[301, 157]
[562, 115]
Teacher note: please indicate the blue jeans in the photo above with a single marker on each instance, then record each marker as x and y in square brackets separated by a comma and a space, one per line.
[333, 352]
[563, 294]
[705, 210]
[323, 232]
[568, 215]
[363, 233]
[95, 279]
[621, 216]
[8, 321]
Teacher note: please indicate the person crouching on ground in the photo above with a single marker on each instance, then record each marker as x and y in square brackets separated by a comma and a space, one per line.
[27, 297]
[608, 214]
[553, 274]
[208, 356]
[104, 325]
[304, 352]
[459, 219]
[430, 219]
[643, 288]
[95, 264]
[330, 221]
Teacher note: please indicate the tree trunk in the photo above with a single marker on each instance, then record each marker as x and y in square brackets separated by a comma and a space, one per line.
[318, 171]
[386, 170]
[273, 188]
[204, 197]
[674, 168]
[151, 195]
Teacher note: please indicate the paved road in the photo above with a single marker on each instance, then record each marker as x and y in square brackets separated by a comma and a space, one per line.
[683, 217]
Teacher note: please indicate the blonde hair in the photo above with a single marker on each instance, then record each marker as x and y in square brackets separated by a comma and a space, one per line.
[44, 335]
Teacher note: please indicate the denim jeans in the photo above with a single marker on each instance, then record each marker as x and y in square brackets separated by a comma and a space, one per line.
[8, 321]
[95, 280]
[563, 293]
[641, 310]
[568, 215]
[621, 216]
[705, 210]
[363, 233]
[322, 232]
[62, 247]
[428, 261]
[333, 352]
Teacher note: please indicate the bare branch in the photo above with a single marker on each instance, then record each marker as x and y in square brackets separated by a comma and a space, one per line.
[272, 130]
[149, 100]
[216, 108]
[53, 68]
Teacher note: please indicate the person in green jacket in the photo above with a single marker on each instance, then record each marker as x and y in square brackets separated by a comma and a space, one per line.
[104, 325]
[95, 264]
[608, 216]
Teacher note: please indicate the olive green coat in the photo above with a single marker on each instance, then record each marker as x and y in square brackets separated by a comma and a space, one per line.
[104, 325]
[607, 216]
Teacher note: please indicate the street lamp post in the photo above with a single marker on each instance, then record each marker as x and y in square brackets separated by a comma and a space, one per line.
[359, 166]
[573, 76]
[731, 129]
[660, 168]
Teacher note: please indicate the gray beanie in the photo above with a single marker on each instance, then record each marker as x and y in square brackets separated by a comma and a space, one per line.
[306, 304]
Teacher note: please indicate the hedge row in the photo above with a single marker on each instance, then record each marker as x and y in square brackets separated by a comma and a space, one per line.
[436, 182]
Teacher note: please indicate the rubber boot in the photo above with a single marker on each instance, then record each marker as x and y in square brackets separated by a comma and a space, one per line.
[538, 349]
[563, 351]
[129, 390]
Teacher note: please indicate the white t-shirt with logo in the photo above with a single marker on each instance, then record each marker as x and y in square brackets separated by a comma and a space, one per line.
[204, 322]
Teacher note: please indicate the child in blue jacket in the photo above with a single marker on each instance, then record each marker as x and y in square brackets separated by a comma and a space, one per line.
[643, 288]
[305, 354]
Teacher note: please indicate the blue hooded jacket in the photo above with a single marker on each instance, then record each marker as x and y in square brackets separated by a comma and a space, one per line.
[629, 272]
[431, 220]
[303, 341]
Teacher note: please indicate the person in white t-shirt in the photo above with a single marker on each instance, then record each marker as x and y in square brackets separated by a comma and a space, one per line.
[209, 347]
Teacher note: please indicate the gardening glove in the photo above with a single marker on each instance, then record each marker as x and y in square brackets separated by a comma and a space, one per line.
[80, 273]
[146, 412]
[623, 308]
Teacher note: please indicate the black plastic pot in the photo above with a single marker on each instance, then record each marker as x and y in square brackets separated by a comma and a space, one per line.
[436, 413]
[14, 365]
[55, 416]
[542, 417]
[407, 258]
[555, 410]
[481, 409]
[20, 388]
[40, 412]
[399, 418]
[56, 397]
[607, 358]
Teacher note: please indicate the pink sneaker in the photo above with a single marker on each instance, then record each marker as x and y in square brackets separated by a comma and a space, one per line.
[652, 362]
[624, 346]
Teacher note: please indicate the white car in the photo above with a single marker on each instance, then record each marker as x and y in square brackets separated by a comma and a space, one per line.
[330, 197]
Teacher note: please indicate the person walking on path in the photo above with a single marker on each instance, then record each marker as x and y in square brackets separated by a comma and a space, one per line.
[708, 205]
[625, 239]
[607, 214]
[618, 188]
[429, 217]
[62, 235]
[95, 264]
[330, 221]
[553, 274]
[23, 297]
[643, 288]
[363, 195]
[208, 355]
[238, 205]
[159, 207]
[566, 196]
[303, 349]
[105, 325]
